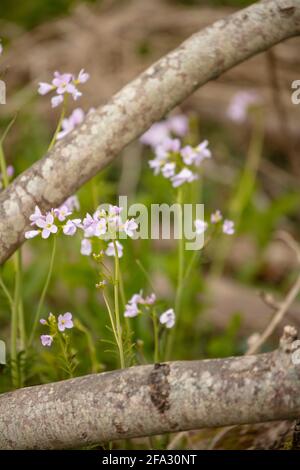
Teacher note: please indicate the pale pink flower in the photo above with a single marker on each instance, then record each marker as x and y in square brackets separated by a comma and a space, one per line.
[31, 234]
[45, 88]
[65, 321]
[228, 227]
[200, 226]
[131, 310]
[37, 214]
[63, 82]
[62, 212]
[240, 104]
[157, 133]
[216, 217]
[56, 101]
[86, 247]
[69, 124]
[47, 225]
[43, 321]
[130, 227]
[10, 171]
[150, 299]
[46, 340]
[83, 76]
[167, 318]
[71, 227]
[178, 124]
[184, 176]
[168, 170]
[72, 203]
[110, 250]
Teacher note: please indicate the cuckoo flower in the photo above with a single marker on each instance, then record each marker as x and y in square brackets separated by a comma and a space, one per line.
[46, 340]
[69, 124]
[65, 321]
[167, 318]
[62, 84]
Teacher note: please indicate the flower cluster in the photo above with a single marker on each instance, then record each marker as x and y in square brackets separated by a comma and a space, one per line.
[49, 223]
[174, 161]
[241, 102]
[63, 83]
[215, 219]
[56, 326]
[137, 303]
[107, 225]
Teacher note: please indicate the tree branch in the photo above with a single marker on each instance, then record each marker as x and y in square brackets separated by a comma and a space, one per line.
[153, 399]
[203, 57]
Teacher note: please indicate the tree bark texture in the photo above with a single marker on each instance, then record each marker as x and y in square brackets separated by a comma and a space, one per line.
[105, 132]
[154, 399]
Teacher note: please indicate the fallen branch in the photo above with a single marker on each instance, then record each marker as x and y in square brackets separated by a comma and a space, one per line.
[153, 399]
[201, 58]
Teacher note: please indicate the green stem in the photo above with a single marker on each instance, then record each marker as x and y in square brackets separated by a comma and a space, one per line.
[90, 345]
[15, 372]
[156, 337]
[21, 322]
[180, 278]
[44, 291]
[58, 127]
[17, 306]
[111, 317]
[64, 348]
[117, 308]
[6, 292]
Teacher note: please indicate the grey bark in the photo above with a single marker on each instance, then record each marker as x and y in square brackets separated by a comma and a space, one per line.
[154, 399]
[201, 58]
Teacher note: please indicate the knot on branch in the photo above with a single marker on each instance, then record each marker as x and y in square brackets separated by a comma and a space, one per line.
[288, 339]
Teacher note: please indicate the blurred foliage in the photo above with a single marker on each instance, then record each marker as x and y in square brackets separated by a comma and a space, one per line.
[30, 13]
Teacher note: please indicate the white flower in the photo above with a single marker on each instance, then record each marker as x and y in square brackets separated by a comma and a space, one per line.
[71, 226]
[47, 225]
[228, 227]
[31, 234]
[168, 170]
[240, 103]
[216, 217]
[62, 213]
[178, 124]
[36, 215]
[200, 226]
[131, 310]
[130, 227]
[110, 250]
[167, 318]
[86, 247]
[184, 176]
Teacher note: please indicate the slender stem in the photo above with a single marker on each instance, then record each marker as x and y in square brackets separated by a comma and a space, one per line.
[180, 278]
[21, 322]
[44, 291]
[14, 331]
[146, 274]
[90, 345]
[156, 337]
[64, 348]
[111, 317]
[17, 306]
[6, 292]
[178, 295]
[117, 308]
[58, 127]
